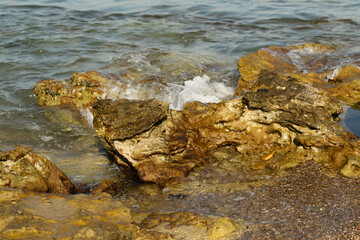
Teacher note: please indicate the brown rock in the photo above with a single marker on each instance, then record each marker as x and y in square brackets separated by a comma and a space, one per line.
[124, 118]
[24, 169]
[140, 134]
[347, 92]
[274, 116]
[346, 74]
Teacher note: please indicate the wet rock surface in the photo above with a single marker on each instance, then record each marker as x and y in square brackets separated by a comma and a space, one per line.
[48, 216]
[308, 201]
[181, 225]
[24, 169]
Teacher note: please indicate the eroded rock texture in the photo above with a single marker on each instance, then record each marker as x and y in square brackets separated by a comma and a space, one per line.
[276, 116]
[24, 169]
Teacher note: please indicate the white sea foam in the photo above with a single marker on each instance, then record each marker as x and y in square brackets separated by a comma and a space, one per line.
[46, 138]
[176, 94]
[88, 116]
[201, 89]
[297, 57]
[333, 74]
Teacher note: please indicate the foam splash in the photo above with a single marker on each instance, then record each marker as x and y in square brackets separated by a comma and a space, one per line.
[203, 90]
[333, 74]
[87, 115]
[300, 57]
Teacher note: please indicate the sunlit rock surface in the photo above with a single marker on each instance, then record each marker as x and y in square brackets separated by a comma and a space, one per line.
[49, 216]
[275, 117]
[308, 63]
[24, 169]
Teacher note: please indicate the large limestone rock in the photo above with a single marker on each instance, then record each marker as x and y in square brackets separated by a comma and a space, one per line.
[275, 116]
[49, 216]
[308, 63]
[24, 169]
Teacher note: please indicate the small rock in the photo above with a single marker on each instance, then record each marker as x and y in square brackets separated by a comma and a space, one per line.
[24, 169]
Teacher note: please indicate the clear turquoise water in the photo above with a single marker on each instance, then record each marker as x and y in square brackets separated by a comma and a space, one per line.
[52, 39]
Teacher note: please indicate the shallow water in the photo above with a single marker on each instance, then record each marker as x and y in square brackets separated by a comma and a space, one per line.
[52, 39]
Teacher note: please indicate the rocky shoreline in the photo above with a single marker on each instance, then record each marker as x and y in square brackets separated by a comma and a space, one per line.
[273, 162]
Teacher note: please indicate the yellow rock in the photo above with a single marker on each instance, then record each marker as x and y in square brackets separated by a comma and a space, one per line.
[185, 225]
[49, 216]
[221, 228]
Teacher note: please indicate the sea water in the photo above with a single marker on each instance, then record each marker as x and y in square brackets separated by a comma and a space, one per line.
[189, 50]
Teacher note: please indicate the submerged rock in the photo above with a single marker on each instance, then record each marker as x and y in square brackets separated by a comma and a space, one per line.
[24, 169]
[275, 116]
[50, 216]
[183, 225]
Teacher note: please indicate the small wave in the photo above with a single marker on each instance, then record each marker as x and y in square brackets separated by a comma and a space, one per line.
[171, 77]
[203, 90]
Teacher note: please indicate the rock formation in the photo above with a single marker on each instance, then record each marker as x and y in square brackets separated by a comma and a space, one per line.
[275, 116]
[24, 169]
[284, 116]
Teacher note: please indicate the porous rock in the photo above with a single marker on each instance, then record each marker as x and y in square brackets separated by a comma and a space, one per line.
[275, 115]
[24, 169]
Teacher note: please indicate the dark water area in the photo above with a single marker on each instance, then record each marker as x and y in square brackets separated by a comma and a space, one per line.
[52, 39]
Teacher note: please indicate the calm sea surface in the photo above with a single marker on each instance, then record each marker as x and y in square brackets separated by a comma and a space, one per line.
[52, 39]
